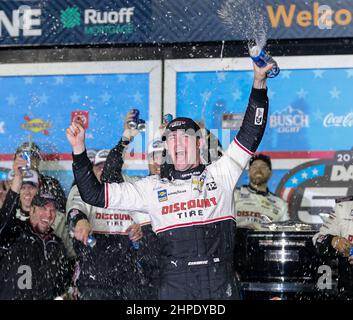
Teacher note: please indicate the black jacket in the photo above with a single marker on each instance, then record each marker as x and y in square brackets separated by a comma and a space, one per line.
[32, 266]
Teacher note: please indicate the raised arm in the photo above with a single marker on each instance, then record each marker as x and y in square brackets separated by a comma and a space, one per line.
[124, 196]
[230, 166]
[112, 171]
[8, 210]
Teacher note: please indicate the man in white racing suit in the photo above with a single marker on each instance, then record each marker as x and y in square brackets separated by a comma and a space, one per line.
[335, 239]
[108, 270]
[254, 203]
[192, 206]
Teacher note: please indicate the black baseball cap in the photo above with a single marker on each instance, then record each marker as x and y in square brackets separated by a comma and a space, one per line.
[185, 124]
[262, 157]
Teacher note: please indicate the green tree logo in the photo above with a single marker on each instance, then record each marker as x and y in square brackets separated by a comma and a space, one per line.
[70, 17]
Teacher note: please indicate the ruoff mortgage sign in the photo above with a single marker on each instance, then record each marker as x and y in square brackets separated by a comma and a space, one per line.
[80, 22]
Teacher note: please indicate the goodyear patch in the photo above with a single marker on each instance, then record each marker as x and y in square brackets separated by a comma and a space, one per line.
[162, 195]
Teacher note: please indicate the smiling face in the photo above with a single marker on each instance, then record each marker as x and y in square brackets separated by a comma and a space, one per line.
[184, 149]
[27, 192]
[42, 218]
[259, 172]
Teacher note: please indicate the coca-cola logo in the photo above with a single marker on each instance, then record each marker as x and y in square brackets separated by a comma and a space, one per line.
[332, 120]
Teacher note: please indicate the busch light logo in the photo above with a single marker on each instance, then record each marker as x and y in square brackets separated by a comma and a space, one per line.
[331, 120]
[289, 120]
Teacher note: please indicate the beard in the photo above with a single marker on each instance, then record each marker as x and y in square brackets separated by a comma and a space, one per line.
[259, 180]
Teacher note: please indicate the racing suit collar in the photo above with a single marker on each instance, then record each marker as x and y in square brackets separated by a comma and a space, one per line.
[187, 174]
[253, 190]
[22, 214]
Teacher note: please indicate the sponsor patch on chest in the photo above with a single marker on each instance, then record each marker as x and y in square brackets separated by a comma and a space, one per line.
[162, 195]
[211, 186]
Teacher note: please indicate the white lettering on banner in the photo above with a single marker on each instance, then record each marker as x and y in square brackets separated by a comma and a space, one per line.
[338, 121]
[93, 16]
[317, 198]
[25, 19]
[289, 120]
[341, 173]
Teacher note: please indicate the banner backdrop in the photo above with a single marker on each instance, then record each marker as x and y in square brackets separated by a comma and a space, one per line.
[38, 101]
[309, 124]
[81, 22]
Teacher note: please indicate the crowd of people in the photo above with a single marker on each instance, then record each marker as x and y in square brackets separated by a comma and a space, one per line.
[170, 235]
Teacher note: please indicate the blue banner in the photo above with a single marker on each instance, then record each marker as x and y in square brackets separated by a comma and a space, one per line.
[82, 22]
[310, 110]
[40, 107]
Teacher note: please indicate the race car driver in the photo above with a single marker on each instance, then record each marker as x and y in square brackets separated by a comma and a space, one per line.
[255, 205]
[107, 270]
[192, 208]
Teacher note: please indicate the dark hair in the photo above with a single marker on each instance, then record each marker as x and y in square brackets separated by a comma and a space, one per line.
[262, 157]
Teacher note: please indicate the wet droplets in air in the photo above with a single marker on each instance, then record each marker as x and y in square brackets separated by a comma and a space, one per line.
[245, 18]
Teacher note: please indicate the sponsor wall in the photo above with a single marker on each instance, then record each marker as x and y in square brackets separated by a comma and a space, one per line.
[307, 136]
[35, 22]
[38, 100]
[309, 125]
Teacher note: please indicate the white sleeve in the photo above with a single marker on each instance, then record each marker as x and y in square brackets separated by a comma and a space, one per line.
[74, 201]
[128, 196]
[332, 225]
[230, 166]
[140, 218]
[284, 211]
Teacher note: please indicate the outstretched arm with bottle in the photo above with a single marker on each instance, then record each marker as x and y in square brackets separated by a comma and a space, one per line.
[230, 166]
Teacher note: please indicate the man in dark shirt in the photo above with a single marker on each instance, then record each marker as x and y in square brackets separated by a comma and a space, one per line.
[33, 262]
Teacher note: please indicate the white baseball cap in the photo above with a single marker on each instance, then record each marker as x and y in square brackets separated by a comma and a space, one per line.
[157, 145]
[29, 176]
[91, 154]
[101, 156]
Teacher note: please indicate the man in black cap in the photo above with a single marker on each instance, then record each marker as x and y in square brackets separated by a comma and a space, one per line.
[35, 158]
[33, 263]
[255, 205]
[191, 206]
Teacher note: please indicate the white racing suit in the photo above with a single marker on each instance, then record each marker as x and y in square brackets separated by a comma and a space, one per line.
[255, 207]
[339, 223]
[192, 214]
